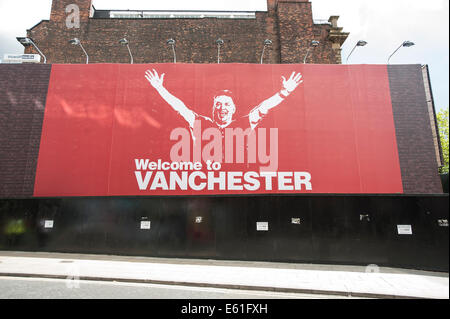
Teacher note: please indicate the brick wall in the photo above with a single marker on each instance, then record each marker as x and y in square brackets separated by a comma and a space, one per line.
[59, 14]
[23, 92]
[414, 135]
[288, 23]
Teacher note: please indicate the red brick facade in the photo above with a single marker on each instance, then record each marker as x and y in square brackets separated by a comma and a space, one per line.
[288, 23]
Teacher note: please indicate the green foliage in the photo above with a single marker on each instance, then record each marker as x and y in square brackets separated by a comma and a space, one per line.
[442, 119]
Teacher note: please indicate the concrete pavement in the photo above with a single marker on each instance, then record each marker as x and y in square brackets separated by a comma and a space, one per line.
[352, 281]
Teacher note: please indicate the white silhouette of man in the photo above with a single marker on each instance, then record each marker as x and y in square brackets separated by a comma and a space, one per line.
[224, 107]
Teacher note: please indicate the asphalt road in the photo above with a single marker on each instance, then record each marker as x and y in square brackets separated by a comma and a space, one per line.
[38, 288]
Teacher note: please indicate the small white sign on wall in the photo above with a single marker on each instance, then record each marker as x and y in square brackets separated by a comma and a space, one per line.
[262, 226]
[48, 224]
[404, 229]
[443, 222]
[146, 224]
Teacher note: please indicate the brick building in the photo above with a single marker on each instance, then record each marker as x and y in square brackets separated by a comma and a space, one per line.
[331, 228]
[288, 23]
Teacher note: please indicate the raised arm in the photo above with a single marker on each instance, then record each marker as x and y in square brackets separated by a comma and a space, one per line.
[158, 83]
[289, 86]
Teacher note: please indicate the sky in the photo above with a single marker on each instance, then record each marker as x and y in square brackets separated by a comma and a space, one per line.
[384, 24]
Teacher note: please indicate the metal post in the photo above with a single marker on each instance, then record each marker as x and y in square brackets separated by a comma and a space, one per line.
[131, 55]
[405, 44]
[389, 60]
[306, 56]
[266, 43]
[219, 43]
[40, 52]
[87, 56]
[314, 43]
[360, 43]
[171, 42]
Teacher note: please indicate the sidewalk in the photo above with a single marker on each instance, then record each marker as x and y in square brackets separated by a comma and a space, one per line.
[294, 278]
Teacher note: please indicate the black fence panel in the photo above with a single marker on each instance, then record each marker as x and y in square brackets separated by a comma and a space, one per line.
[328, 229]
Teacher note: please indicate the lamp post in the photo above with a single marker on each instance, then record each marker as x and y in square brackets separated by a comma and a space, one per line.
[125, 42]
[405, 44]
[27, 41]
[361, 43]
[266, 43]
[172, 42]
[313, 45]
[76, 41]
[219, 43]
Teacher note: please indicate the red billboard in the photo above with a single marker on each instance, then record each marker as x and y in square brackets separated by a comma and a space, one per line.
[190, 129]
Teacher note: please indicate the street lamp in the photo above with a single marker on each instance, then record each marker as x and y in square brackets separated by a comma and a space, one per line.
[219, 42]
[76, 41]
[361, 43]
[313, 45]
[405, 44]
[125, 42]
[27, 41]
[172, 42]
[266, 43]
